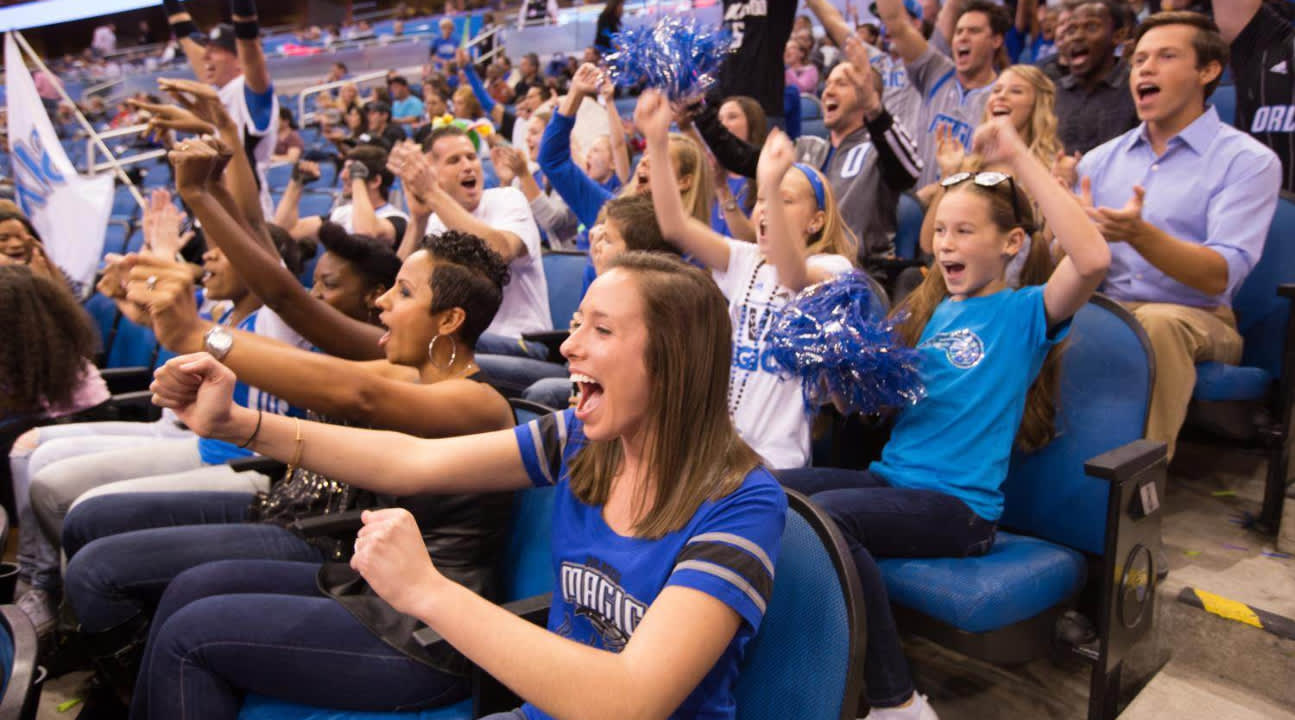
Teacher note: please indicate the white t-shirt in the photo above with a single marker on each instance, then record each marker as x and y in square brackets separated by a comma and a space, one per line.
[767, 409]
[344, 215]
[526, 296]
[260, 141]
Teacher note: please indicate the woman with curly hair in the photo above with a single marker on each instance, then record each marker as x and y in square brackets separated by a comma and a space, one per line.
[45, 363]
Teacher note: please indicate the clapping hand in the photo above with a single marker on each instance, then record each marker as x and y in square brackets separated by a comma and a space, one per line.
[997, 143]
[949, 152]
[776, 157]
[1116, 225]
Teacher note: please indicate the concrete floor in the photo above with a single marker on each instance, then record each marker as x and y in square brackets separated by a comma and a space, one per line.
[1195, 666]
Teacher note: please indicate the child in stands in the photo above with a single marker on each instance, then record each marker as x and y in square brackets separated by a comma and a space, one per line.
[800, 240]
[988, 364]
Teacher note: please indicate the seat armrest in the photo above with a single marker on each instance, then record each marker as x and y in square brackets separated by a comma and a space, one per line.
[267, 466]
[534, 608]
[127, 379]
[1126, 462]
[1286, 290]
[552, 339]
[136, 405]
[332, 525]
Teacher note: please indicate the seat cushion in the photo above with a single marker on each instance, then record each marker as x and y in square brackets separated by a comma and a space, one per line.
[259, 707]
[1216, 381]
[1016, 580]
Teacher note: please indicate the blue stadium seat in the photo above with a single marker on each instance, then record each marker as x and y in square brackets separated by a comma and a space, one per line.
[278, 176]
[18, 665]
[814, 128]
[1225, 99]
[314, 204]
[908, 235]
[810, 107]
[807, 659]
[124, 205]
[1264, 319]
[327, 175]
[564, 273]
[114, 239]
[1071, 504]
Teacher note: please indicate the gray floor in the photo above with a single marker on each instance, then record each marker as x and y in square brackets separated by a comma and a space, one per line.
[1216, 669]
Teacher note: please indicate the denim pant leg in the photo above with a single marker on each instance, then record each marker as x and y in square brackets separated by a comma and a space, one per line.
[117, 577]
[876, 518]
[38, 558]
[492, 344]
[554, 392]
[238, 627]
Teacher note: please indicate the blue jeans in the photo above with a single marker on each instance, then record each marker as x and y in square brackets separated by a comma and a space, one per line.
[555, 392]
[492, 344]
[877, 519]
[124, 549]
[513, 374]
[233, 627]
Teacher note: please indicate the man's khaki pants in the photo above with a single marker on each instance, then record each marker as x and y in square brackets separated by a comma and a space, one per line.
[1182, 336]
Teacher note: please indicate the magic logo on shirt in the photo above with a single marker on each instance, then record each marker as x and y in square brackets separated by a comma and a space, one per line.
[960, 130]
[592, 589]
[963, 348]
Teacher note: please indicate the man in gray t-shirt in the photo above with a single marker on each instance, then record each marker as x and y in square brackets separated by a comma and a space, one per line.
[953, 89]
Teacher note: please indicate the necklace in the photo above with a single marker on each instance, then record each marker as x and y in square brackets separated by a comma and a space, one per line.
[754, 324]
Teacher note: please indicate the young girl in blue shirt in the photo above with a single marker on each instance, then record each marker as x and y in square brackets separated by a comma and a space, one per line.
[935, 492]
[666, 529]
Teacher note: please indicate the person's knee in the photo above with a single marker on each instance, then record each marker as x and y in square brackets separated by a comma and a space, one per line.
[1163, 326]
[207, 580]
[26, 443]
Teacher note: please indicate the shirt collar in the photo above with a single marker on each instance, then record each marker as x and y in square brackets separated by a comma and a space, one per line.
[1198, 135]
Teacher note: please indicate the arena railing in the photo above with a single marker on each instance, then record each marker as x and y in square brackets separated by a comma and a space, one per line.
[304, 118]
[92, 149]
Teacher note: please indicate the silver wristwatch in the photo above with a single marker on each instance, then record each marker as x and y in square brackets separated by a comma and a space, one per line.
[218, 341]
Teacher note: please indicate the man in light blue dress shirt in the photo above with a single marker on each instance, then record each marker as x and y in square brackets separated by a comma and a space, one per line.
[1185, 202]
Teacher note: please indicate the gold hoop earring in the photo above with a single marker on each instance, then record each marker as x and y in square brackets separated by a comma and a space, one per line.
[431, 353]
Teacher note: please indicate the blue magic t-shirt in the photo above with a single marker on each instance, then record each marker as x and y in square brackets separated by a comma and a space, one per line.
[606, 581]
[978, 359]
[267, 323]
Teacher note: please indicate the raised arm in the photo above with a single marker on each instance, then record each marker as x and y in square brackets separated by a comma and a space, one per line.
[266, 277]
[584, 196]
[182, 25]
[416, 175]
[1082, 270]
[945, 21]
[785, 246]
[615, 131]
[364, 217]
[832, 21]
[897, 154]
[200, 391]
[250, 53]
[903, 36]
[685, 232]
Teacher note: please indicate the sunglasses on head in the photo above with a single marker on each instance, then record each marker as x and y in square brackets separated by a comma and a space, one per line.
[989, 180]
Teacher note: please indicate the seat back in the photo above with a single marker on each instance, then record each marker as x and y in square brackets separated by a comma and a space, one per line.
[564, 272]
[1224, 100]
[1106, 376]
[1261, 314]
[908, 234]
[810, 107]
[807, 659]
[527, 567]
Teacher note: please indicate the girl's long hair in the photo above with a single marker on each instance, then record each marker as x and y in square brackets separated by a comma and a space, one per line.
[1041, 134]
[693, 453]
[1038, 424]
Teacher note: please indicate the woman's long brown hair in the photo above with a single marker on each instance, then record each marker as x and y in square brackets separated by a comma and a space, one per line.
[693, 453]
[1038, 424]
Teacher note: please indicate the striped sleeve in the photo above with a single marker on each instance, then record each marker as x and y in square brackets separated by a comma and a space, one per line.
[896, 152]
[543, 443]
[732, 555]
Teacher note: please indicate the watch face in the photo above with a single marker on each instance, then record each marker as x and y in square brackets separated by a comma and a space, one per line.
[219, 342]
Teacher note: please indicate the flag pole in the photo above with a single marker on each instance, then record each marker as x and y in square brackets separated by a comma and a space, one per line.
[85, 124]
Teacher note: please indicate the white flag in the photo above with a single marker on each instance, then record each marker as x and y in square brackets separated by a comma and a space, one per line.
[70, 212]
